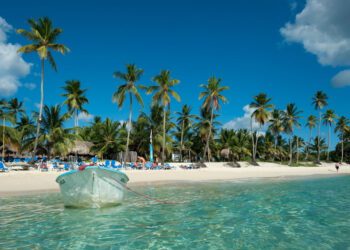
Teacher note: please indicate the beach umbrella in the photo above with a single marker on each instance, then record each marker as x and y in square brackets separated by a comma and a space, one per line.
[150, 148]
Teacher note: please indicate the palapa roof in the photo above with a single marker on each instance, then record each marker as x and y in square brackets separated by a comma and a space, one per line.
[81, 148]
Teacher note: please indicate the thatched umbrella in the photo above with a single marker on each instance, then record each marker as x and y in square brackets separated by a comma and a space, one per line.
[81, 148]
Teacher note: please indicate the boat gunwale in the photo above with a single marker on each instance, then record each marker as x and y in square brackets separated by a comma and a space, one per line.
[92, 167]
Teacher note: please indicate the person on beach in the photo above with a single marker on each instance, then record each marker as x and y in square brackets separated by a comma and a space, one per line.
[337, 167]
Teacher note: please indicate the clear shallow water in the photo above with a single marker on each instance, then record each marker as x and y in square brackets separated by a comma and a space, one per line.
[259, 214]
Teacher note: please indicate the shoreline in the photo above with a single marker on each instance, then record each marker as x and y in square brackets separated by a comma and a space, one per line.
[35, 182]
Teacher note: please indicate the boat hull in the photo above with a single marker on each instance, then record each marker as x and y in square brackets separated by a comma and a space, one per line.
[92, 187]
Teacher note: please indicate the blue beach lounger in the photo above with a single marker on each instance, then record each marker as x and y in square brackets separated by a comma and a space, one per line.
[3, 168]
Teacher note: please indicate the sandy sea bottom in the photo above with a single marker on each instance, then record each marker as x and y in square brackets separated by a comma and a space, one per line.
[312, 213]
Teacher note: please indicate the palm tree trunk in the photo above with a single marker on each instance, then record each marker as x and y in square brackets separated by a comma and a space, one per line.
[342, 147]
[308, 146]
[290, 151]
[3, 139]
[163, 150]
[76, 131]
[274, 154]
[206, 151]
[256, 142]
[253, 144]
[129, 130]
[318, 138]
[41, 107]
[182, 137]
[329, 141]
[297, 150]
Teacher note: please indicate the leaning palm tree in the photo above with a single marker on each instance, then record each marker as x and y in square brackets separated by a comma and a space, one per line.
[276, 126]
[311, 124]
[185, 119]
[43, 36]
[132, 75]
[261, 115]
[290, 120]
[212, 98]
[75, 99]
[319, 101]
[162, 95]
[329, 119]
[342, 126]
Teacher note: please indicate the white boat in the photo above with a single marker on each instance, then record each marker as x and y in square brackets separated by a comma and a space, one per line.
[92, 187]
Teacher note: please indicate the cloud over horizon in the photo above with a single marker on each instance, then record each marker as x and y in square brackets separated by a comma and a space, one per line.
[12, 65]
[242, 122]
[85, 117]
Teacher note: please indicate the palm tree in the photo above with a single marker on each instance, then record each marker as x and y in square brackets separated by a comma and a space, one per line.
[162, 95]
[311, 124]
[342, 127]
[319, 101]
[185, 119]
[261, 115]
[290, 120]
[15, 107]
[328, 120]
[54, 138]
[276, 125]
[132, 75]
[75, 99]
[43, 36]
[212, 98]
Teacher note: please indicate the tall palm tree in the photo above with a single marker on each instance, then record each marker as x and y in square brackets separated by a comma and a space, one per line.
[212, 95]
[311, 124]
[290, 120]
[276, 125]
[329, 119]
[43, 36]
[162, 95]
[342, 126]
[261, 115]
[75, 99]
[185, 119]
[132, 75]
[319, 101]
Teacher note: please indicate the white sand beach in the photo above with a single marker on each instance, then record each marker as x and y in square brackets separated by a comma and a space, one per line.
[28, 182]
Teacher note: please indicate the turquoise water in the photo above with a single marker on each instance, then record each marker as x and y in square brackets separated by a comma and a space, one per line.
[260, 214]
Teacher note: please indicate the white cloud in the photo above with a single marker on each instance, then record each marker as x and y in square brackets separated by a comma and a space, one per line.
[242, 122]
[12, 65]
[30, 86]
[85, 117]
[341, 79]
[323, 29]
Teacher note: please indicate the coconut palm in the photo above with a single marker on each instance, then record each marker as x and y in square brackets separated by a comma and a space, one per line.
[261, 115]
[342, 126]
[329, 119]
[132, 75]
[319, 101]
[311, 124]
[15, 107]
[43, 36]
[54, 138]
[162, 95]
[75, 99]
[212, 95]
[276, 125]
[185, 121]
[290, 120]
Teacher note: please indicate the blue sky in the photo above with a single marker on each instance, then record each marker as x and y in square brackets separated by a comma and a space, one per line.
[238, 41]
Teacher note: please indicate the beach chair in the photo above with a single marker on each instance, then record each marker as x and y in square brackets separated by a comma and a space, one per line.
[115, 165]
[66, 166]
[148, 165]
[3, 168]
[107, 164]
